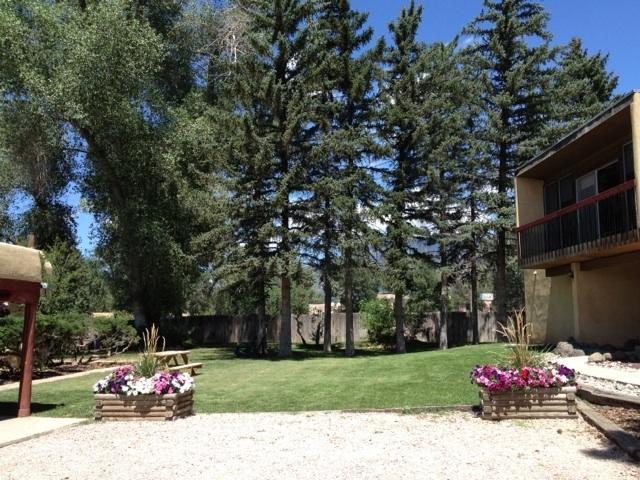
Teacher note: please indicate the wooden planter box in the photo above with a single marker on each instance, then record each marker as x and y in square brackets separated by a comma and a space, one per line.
[111, 406]
[557, 402]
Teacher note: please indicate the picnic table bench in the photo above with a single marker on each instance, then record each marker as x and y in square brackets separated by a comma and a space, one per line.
[169, 356]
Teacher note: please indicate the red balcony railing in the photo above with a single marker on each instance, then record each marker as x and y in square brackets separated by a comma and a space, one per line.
[604, 220]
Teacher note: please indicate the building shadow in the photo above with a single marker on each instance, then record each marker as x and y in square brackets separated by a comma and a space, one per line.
[10, 409]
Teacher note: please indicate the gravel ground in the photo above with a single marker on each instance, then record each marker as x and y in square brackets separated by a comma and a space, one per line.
[321, 445]
[608, 385]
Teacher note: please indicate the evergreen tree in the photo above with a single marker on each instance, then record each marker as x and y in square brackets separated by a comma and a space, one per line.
[402, 128]
[582, 86]
[512, 47]
[274, 88]
[338, 181]
[444, 158]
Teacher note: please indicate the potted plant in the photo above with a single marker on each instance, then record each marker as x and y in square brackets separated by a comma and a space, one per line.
[141, 391]
[526, 387]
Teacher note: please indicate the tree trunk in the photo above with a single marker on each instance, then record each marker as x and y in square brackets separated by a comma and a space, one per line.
[260, 345]
[299, 330]
[139, 316]
[284, 348]
[443, 341]
[444, 311]
[349, 348]
[501, 245]
[327, 314]
[474, 275]
[501, 278]
[398, 315]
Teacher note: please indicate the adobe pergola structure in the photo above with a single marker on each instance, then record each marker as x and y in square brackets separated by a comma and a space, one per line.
[21, 275]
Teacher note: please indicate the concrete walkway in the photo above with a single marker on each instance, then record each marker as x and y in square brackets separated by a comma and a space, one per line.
[581, 365]
[15, 385]
[14, 430]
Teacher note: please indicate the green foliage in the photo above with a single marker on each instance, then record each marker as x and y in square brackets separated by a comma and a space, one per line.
[377, 316]
[582, 87]
[68, 335]
[114, 334]
[10, 333]
[76, 284]
[57, 336]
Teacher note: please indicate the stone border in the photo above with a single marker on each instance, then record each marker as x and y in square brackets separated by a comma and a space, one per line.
[626, 441]
[603, 397]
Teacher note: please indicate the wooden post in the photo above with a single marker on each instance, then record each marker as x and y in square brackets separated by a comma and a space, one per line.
[26, 364]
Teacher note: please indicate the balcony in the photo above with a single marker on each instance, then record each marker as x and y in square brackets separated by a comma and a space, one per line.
[601, 225]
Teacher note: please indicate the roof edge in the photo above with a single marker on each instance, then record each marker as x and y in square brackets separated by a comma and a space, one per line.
[583, 129]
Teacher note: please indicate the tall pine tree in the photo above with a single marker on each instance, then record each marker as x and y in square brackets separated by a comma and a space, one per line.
[512, 45]
[339, 181]
[582, 86]
[402, 129]
[274, 89]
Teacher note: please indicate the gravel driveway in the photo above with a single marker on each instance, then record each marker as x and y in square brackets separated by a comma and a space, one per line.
[320, 445]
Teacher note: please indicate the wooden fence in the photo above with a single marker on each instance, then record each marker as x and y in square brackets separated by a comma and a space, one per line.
[225, 329]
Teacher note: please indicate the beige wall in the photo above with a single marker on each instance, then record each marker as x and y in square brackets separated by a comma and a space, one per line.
[609, 300]
[596, 306]
[529, 200]
[549, 306]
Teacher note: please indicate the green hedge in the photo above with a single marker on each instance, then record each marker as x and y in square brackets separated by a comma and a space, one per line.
[68, 334]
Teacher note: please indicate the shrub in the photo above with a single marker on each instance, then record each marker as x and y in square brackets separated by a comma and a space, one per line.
[68, 335]
[57, 336]
[377, 316]
[114, 334]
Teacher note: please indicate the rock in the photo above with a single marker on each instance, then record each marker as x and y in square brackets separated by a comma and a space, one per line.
[608, 357]
[620, 356]
[564, 349]
[578, 353]
[596, 357]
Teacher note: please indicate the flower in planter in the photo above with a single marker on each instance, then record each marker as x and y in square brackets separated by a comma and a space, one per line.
[124, 381]
[497, 379]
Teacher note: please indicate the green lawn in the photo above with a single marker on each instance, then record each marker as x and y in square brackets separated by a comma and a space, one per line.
[309, 381]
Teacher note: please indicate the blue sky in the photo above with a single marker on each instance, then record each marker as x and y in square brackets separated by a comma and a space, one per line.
[607, 26]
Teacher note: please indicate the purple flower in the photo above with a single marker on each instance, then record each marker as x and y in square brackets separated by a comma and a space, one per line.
[497, 379]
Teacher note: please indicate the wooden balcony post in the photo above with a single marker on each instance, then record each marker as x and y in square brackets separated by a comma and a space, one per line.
[635, 137]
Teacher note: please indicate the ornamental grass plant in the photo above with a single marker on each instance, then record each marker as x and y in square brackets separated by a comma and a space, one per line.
[519, 354]
[149, 363]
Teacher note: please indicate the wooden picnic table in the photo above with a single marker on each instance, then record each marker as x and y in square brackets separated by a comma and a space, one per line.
[169, 356]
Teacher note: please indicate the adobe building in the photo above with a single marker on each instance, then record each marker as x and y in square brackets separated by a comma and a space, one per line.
[577, 228]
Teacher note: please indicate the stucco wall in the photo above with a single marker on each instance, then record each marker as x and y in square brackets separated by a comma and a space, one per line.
[605, 309]
[609, 304]
[549, 305]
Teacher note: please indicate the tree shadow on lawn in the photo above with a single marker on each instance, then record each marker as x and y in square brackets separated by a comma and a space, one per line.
[312, 351]
[10, 409]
